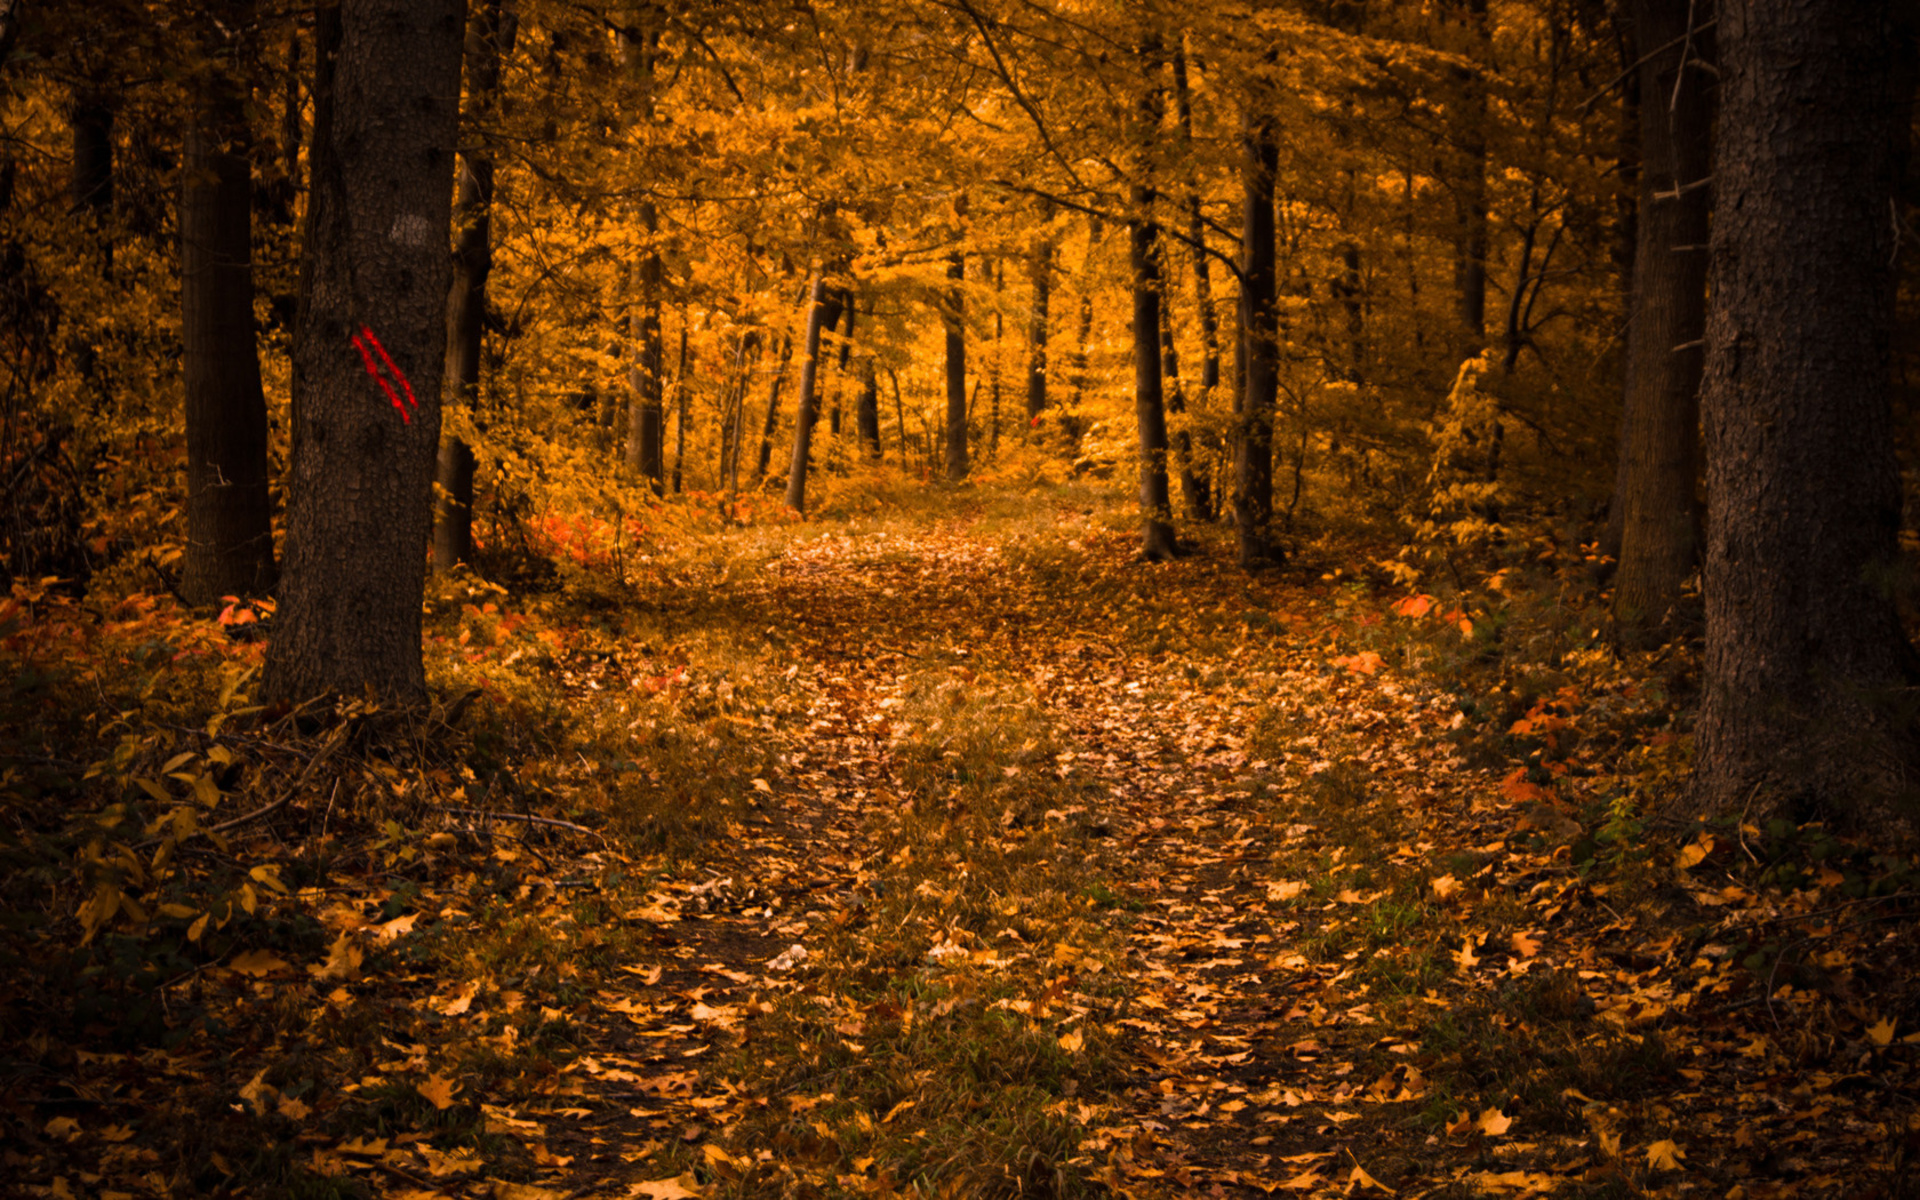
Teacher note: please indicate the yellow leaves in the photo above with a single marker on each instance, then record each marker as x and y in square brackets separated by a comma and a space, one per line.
[1283, 890]
[1072, 1042]
[343, 960]
[678, 1188]
[438, 1089]
[65, 1129]
[1359, 1178]
[1665, 1156]
[258, 1093]
[1494, 1123]
[1881, 1034]
[460, 1001]
[258, 963]
[1444, 887]
[1695, 852]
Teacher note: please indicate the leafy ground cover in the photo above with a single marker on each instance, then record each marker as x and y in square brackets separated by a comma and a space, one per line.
[903, 853]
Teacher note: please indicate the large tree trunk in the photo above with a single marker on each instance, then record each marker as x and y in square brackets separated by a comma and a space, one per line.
[823, 310]
[1656, 484]
[1808, 676]
[90, 183]
[953, 314]
[1260, 350]
[229, 517]
[326, 55]
[1150, 415]
[489, 35]
[349, 618]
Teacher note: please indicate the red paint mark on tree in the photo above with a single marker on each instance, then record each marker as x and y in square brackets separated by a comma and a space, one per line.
[361, 342]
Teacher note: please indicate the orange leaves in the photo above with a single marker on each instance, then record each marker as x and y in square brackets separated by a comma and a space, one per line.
[1364, 663]
[1425, 607]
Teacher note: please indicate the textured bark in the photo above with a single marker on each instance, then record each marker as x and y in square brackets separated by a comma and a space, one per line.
[10, 12]
[229, 517]
[320, 154]
[1150, 415]
[1469, 134]
[773, 410]
[953, 314]
[1657, 479]
[1808, 676]
[867, 416]
[646, 417]
[488, 37]
[848, 310]
[1195, 488]
[1042, 281]
[1259, 351]
[681, 396]
[90, 184]
[349, 618]
[823, 309]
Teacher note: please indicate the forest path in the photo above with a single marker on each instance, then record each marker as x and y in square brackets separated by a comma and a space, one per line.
[1169, 741]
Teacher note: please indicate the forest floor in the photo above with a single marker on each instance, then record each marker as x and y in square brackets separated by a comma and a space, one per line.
[966, 856]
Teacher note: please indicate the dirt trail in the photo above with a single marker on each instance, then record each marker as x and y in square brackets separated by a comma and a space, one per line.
[1229, 1026]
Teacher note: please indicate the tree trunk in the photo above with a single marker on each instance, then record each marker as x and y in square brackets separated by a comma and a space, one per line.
[1260, 350]
[349, 618]
[823, 310]
[1808, 676]
[1143, 235]
[773, 410]
[953, 314]
[1042, 280]
[681, 395]
[1656, 484]
[489, 35]
[867, 417]
[229, 516]
[1469, 131]
[320, 165]
[90, 185]
[646, 418]
[848, 310]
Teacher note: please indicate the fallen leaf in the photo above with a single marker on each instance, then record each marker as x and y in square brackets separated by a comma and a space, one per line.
[1882, 1034]
[1525, 946]
[1444, 886]
[438, 1090]
[1072, 1042]
[1665, 1156]
[677, 1188]
[258, 963]
[1359, 1178]
[1494, 1123]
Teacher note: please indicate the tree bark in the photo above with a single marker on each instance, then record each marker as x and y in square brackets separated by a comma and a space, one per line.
[646, 421]
[867, 417]
[489, 35]
[349, 617]
[823, 310]
[229, 516]
[682, 396]
[1260, 350]
[953, 314]
[1041, 277]
[1469, 132]
[1150, 415]
[773, 410]
[1656, 483]
[1808, 676]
